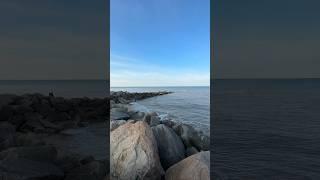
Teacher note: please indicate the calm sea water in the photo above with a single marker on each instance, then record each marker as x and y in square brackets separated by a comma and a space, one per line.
[190, 105]
[70, 88]
[266, 129]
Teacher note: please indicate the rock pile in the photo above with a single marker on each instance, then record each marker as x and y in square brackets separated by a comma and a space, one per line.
[126, 97]
[28, 122]
[145, 147]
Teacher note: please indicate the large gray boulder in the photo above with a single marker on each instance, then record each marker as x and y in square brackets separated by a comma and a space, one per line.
[134, 153]
[196, 166]
[170, 146]
[191, 137]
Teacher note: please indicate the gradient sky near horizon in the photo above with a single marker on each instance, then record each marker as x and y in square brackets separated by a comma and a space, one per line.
[266, 39]
[159, 43]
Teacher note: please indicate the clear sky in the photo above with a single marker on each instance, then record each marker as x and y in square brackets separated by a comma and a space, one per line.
[159, 42]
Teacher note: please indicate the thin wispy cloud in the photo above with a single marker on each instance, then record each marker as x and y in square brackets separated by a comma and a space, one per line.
[134, 72]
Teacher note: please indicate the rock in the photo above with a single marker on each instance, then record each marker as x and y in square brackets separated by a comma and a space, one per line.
[118, 114]
[151, 116]
[202, 142]
[32, 123]
[170, 146]
[23, 109]
[6, 112]
[25, 169]
[43, 108]
[58, 116]
[191, 151]
[196, 166]
[154, 121]
[87, 160]
[17, 120]
[35, 153]
[168, 123]
[134, 153]
[6, 99]
[68, 162]
[116, 124]
[139, 116]
[131, 121]
[92, 171]
[187, 133]
[28, 139]
[7, 135]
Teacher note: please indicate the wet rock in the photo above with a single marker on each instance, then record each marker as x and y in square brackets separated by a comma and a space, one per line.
[196, 166]
[154, 121]
[202, 142]
[91, 171]
[134, 153]
[191, 137]
[168, 123]
[170, 146]
[187, 133]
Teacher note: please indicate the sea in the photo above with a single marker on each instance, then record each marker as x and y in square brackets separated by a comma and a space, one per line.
[189, 105]
[266, 129]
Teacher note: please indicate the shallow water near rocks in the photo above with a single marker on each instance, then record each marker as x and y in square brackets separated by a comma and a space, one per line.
[190, 105]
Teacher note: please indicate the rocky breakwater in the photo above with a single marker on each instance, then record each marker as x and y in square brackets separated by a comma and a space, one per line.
[48, 137]
[143, 146]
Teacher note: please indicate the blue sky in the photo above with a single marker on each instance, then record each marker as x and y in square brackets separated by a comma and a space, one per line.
[159, 43]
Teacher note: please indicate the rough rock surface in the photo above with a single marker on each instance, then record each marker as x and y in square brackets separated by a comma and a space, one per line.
[134, 153]
[170, 146]
[194, 167]
[116, 124]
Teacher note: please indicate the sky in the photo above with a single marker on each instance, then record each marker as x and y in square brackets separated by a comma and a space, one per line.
[159, 43]
[53, 39]
[266, 39]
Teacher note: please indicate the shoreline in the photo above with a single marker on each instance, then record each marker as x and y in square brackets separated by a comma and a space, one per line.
[174, 147]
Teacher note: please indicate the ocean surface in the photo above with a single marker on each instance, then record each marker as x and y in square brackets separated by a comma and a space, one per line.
[266, 129]
[64, 88]
[190, 105]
